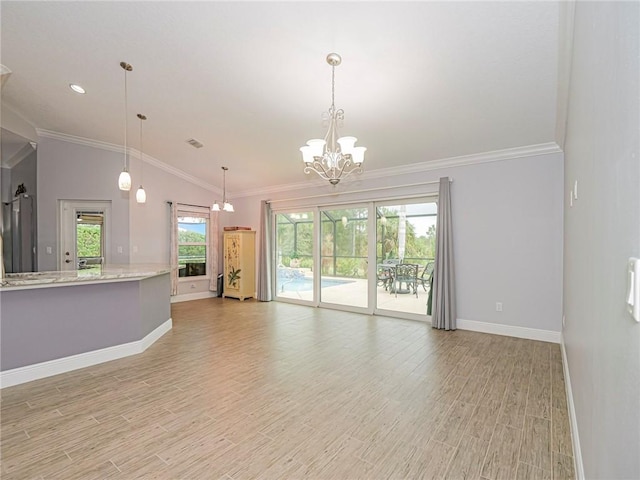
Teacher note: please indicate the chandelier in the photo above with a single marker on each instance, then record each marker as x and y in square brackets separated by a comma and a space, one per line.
[333, 158]
[226, 206]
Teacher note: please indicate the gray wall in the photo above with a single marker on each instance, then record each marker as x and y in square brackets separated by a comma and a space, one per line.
[507, 219]
[149, 222]
[602, 230]
[25, 172]
[50, 323]
[154, 307]
[68, 171]
[5, 185]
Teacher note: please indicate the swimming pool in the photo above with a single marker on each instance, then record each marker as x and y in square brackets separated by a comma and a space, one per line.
[305, 284]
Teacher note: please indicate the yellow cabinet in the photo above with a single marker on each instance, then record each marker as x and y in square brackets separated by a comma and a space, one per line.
[239, 264]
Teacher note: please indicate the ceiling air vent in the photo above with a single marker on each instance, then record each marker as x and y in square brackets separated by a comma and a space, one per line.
[194, 143]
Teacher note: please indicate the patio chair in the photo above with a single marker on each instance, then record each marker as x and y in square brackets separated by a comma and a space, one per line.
[407, 274]
[384, 272]
[425, 276]
[384, 275]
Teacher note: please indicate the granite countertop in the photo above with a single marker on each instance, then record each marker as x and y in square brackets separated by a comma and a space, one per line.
[107, 273]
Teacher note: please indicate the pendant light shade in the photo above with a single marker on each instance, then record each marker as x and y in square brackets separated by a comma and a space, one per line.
[124, 181]
[141, 195]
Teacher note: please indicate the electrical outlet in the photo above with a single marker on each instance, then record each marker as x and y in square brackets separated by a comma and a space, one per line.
[193, 285]
[49, 251]
[119, 249]
[498, 306]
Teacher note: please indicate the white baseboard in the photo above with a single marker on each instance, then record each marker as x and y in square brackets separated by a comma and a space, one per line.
[29, 373]
[573, 420]
[186, 297]
[153, 336]
[509, 330]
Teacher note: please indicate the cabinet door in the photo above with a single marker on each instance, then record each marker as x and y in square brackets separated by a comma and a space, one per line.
[232, 263]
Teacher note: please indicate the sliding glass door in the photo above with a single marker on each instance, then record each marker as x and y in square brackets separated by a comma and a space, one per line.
[405, 235]
[344, 256]
[294, 255]
[375, 257]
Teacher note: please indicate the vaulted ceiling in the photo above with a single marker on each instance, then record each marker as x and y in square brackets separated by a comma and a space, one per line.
[419, 81]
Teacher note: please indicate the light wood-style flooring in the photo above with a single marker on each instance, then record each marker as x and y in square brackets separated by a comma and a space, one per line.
[241, 390]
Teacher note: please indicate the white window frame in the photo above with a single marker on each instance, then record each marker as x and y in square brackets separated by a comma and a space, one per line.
[185, 212]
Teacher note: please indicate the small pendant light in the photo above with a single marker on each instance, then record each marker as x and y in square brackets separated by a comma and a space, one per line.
[124, 180]
[141, 195]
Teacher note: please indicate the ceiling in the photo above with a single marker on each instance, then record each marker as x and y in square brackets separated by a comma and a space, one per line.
[419, 81]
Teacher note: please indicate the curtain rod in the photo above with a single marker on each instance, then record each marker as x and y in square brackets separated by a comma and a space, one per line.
[186, 204]
[374, 189]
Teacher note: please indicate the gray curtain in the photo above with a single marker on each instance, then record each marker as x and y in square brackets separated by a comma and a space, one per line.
[444, 290]
[264, 254]
[173, 261]
[212, 251]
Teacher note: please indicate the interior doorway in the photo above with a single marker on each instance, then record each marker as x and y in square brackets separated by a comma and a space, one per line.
[84, 228]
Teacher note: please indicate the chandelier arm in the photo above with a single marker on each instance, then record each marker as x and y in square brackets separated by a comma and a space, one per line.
[318, 167]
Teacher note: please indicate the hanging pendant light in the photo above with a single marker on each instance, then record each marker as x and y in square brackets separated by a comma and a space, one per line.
[226, 206]
[333, 158]
[141, 195]
[124, 180]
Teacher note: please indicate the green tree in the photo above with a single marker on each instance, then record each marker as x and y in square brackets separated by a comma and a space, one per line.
[88, 240]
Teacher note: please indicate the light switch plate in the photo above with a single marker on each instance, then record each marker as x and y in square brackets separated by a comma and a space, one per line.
[633, 288]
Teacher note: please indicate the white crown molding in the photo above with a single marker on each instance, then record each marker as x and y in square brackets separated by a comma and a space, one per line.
[20, 155]
[29, 373]
[87, 142]
[486, 157]
[476, 158]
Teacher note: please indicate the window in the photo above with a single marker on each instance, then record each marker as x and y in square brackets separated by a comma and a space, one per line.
[192, 244]
[89, 239]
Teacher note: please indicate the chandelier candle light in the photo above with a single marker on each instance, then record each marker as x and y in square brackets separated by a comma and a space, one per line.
[226, 206]
[141, 195]
[124, 180]
[333, 158]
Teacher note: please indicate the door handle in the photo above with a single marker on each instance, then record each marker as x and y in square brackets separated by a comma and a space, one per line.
[67, 261]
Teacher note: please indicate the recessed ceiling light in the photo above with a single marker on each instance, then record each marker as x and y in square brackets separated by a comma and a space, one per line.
[76, 88]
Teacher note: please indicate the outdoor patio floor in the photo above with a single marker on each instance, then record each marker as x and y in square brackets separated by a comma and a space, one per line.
[354, 293]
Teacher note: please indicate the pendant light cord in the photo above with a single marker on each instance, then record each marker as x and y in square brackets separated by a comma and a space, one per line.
[333, 86]
[126, 114]
[224, 185]
[141, 150]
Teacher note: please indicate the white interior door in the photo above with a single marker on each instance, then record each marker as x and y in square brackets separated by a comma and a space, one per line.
[92, 220]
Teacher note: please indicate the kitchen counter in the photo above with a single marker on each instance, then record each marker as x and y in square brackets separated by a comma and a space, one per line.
[91, 316]
[101, 274]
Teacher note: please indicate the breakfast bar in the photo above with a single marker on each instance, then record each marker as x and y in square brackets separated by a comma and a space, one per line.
[53, 322]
